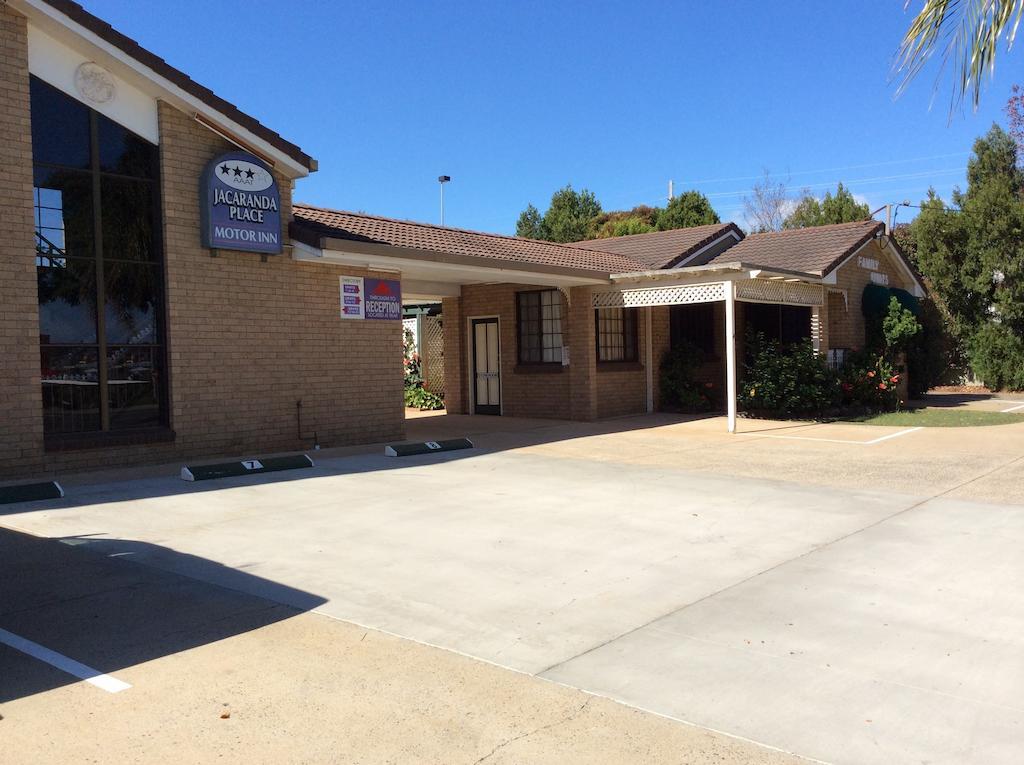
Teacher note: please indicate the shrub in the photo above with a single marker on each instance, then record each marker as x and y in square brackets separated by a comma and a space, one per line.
[679, 387]
[785, 381]
[997, 356]
[937, 358]
[870, 380]
[420, 398]
[899, 328]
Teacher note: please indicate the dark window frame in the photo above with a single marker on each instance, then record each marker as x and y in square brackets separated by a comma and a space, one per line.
[156, 348]
[628, 332]
[521, 356]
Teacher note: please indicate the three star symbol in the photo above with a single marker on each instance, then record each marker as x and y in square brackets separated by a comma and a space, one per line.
[225, 170]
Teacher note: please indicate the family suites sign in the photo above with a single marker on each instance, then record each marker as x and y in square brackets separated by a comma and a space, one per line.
[241, 205]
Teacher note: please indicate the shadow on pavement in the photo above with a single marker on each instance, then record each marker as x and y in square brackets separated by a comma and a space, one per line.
[109, 613]
[489, 434]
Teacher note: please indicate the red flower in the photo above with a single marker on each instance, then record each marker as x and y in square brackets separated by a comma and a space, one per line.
[894, 379]
[881, 386]
[871, 373]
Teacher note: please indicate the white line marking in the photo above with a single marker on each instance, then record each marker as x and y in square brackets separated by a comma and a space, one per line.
[895, 435]
[63, 663]
[1011, 409]
[834, 440]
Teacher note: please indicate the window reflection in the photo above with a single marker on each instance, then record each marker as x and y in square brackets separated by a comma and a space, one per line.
[67, 301]
[131, 303]
[70, 377]
[127, 219]
[133, 387]
[93, 380]
[63, 214]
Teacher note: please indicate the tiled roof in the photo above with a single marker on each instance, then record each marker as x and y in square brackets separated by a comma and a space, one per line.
[662, 249]
[102, 29]
[814, 250]
[316, 222]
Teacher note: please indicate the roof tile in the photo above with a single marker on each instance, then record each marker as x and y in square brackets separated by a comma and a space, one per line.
[359, 227]
[814, 250]
[661, 249]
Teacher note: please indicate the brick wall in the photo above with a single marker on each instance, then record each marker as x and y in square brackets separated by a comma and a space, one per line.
[21, 423]
[622, 387]
[846, 324]
[246, 339]
[540, 391]
[583, 390]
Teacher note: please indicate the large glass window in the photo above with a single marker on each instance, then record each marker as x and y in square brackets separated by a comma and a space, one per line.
[540, 327]
[616, 334]
[786, 324]
[98, 269]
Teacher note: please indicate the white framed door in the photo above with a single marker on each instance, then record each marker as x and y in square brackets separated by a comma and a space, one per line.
[485, 366]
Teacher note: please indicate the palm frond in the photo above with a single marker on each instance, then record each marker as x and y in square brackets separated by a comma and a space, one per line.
[968, 33]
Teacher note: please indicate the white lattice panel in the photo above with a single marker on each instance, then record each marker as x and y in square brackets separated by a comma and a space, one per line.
[432, 352]
[778, 291]
[409, 325]
[651, 296]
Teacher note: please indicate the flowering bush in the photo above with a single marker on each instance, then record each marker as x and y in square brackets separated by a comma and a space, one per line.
[786, 380]
[870, 380]
[416, 396]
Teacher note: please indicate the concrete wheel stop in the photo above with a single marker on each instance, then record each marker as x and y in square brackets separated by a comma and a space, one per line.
[245, 467]
[427, 447]
[30, 492]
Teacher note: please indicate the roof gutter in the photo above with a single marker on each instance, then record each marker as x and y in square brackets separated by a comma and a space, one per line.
[755, 271]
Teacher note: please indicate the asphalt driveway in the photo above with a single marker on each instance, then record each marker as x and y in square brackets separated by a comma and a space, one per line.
[754, 586]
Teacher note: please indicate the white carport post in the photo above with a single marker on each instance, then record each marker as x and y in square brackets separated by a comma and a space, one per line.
[730, 354]
[649, 358]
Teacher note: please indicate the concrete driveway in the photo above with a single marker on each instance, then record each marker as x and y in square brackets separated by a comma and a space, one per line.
[745, 584]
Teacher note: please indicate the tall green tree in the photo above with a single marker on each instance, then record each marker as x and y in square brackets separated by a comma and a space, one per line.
[691, 208]
[568, 217]
[838, 208]
[969, 33]
[530, 224]
[972, 254]
[642, 219]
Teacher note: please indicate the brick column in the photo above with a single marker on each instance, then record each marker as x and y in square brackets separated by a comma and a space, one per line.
[21, 407]
[582, 356]
[454, 357]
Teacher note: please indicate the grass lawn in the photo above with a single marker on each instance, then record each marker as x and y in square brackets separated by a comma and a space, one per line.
[938, 417]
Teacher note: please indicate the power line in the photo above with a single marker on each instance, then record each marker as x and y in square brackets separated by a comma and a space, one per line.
[833, 169]
[850, 182]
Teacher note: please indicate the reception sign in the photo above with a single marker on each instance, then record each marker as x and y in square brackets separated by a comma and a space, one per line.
[241, 205]
[383, 299]
[370, 298]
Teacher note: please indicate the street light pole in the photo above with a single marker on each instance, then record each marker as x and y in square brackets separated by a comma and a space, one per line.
[442, 180]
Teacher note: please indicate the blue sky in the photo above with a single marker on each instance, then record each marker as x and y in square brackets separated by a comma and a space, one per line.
[514, 100]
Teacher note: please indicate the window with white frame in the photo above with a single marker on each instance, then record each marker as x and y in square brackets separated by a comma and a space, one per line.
[540, 327]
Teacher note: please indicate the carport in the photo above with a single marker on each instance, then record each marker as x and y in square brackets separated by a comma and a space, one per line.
[724, 283]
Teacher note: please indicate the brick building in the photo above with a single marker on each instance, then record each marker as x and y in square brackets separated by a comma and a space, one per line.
[162, 297]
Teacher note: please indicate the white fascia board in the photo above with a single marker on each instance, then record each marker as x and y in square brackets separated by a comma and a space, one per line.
[705, 248]
[59, 26]
[432, 271]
